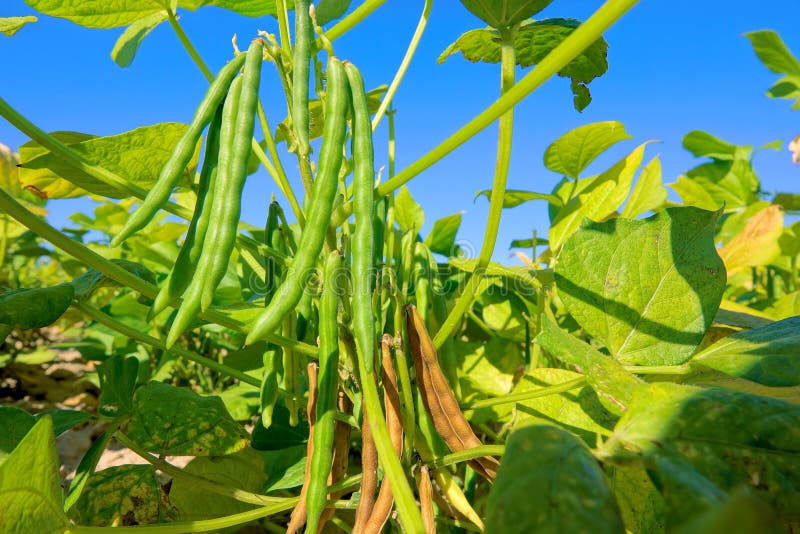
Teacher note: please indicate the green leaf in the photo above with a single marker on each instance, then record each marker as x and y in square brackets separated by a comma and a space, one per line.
[243, 470]
[648, 289]
[115, 13]
[532, 43]
[30, 490]
[701, 144]
[408, 212]
[128, 43]
[788, 201]
[285, 468]
[598, 199]
[63, 420]
[504, 13]
[733, 184]
[328, 10]
[280, 434]
[35, 308]
[742, 512]
[548, 481]
[649, 193]
[176, 421]
[92, 280]
[442, 237]
[571, 153]
[733, 439]
[14, 424]
[504, 313]
[86, 468]
[11, 25]
[527, 243]
[613, 384]
[773, 53]
[137, 155]
[121, 495]
[514, 197]
[786, 306]
[757, 243]
[118, 376]
[577, 410]
[766, 355]
[241, 401]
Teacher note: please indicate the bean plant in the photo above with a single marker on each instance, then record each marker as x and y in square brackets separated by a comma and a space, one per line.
[336, 370]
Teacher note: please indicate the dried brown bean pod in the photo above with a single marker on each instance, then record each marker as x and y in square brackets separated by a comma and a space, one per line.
[298, 517]
[369, 477]
[438, 397]
[426, 500]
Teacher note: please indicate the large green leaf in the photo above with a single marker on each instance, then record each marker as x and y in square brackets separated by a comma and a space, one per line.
[35, 308]
[11, 25]
[30, 489]
[128, 43]
[92, 280]
[641, 504]
[120, 496]
[648, 289]
[772, 51]
[767, 355]
[243, 470]
[532, 43]
[571, 153]
[733, 184]
[577, 410]
[115, 13]
[613, 384]
[137, 156]
[733, 439]
[504, 13]
[741, 512]
[548, 481]
[597, 198]
[701, 143]
[169, 420]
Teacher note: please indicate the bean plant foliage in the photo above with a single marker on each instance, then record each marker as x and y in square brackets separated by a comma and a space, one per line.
[336, 369]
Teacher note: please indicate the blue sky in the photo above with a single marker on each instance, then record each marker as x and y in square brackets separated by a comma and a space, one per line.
[674, 67]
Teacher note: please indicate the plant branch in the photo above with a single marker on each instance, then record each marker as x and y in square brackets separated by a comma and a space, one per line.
[467, 454]
[526, 395]
[187, 44]
[351, 20]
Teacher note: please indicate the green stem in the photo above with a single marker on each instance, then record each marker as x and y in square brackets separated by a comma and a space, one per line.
[574, 44]
[3, 240]
[197, 481]
[684, 369]
[120, 275]
[508, 65]
[468, 454]
[401, 70]
[283, 27]
[133, 333]
[351, 20]
[187, 44]
[526, 395]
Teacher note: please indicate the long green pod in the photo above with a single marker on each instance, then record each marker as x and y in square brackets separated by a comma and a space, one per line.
[327, 388]
[182, 271]
[231, 183]
[194, 293]
[272, 356]
[320, 207]
[301, 58]
[364, 210]
[182, 153]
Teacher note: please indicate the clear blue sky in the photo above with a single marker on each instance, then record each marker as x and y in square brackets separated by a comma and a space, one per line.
[674, 67]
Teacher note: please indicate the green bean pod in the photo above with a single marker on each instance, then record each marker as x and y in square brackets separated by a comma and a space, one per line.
[232, 178]
[182, 153]
[327, 389]
[194, 293]
[184, 268]
[301, 58]
[363, 245]
[320, 207]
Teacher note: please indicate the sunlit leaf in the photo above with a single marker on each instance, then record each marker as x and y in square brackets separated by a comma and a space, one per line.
[757, 244]
[11, 25]
[119, 496]
[128, 43]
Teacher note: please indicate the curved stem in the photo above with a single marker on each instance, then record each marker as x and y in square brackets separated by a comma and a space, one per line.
[115, 272]
[684, 369]
[574, 44]
[508, 64]
[401, 70]
[283, 27]
[468, 454]
[187, 44]
[133, 333]
[526, 395]
[351, 20]
[197, 481]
